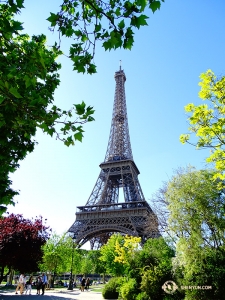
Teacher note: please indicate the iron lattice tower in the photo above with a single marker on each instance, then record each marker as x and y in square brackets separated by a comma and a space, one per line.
[103, 214]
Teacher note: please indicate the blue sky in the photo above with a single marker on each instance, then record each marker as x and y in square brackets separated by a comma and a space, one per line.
[183, 39]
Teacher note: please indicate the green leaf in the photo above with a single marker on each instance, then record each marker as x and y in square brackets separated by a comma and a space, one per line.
[98, 27]
[17, 26]
[28, 81]
[117, 12]
[129, 40]
[84, 38]
[91, 69]
[20, 3]
[69, 141]
[69, 32]
[121, 24]
[106, 45]
[90, 118]
[155, 5]
[78, 136]
[51, 131]
[141, 21]
[53, 19]
[80, 108]
[14, 92]
[141, 3]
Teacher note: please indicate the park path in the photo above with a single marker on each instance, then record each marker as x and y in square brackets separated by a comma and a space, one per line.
[52, 295]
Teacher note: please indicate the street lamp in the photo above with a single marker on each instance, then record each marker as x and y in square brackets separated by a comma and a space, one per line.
[71, 271]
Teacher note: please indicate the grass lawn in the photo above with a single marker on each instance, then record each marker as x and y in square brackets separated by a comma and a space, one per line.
[97, 288]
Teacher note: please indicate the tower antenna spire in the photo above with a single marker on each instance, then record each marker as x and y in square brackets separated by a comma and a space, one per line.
[120, 64]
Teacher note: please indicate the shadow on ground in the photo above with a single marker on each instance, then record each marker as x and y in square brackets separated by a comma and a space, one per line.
[34, 297]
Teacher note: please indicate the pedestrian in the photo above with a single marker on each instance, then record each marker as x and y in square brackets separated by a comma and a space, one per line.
[44, 282]
[39, 285]
[29, 285]
[83, 282]
[87, 283]
[20, 284]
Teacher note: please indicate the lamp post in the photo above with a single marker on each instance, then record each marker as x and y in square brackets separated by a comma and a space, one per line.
[71, 270]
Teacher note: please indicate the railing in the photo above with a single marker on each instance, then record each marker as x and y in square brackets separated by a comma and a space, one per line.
[113, 206]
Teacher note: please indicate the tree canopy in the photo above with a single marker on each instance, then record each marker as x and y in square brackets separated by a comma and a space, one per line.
[112, 22]
[60, 255]
[21, 242]
[197, 222]
[28, 79]
[142, 270]
[109, 254]
[207, 121]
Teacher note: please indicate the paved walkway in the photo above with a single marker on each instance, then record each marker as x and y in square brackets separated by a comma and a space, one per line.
[54, 295]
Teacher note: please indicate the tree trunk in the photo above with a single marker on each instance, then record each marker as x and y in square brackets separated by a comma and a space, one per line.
[11, 274]
[53, 279]
[103, 277]
[1, 273]
[49, 276]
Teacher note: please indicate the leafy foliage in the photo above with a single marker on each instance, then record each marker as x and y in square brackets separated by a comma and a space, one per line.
[118, 253]
[95, 265]
[28, 79]
[126, 251]
[197, 221]
[207, 121]
[111, 22]
[59, 255]
[146, 269]
[108, 255]
[128, 289]
[155, 263]
[196, 208]
[21, 242]
[111, 289]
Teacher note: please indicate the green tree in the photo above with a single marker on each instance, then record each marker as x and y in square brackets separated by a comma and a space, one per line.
[57, 257]
[154, 266]
[144, 270]
[126, 251]
[87, 265]
[196, 207]
[196, 219]
[112, 22]
[108, 255]
[207, 121]
[97, 265]
[28, 79]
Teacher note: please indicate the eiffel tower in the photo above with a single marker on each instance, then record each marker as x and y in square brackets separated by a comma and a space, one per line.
[103, 214]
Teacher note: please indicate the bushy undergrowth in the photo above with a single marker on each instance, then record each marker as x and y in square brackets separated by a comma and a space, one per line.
[111, 289]
[142, 296]
[128, 289]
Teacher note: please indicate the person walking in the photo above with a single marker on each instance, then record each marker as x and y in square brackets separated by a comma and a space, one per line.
[83, 281]
[20, 284]
[44, 282]
[29, 285]
[87, 283]
[39, 285]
